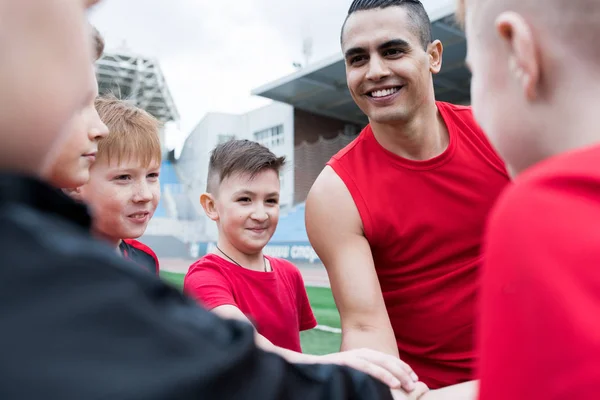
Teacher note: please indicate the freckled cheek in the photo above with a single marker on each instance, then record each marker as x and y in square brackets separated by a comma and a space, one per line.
[155, 196]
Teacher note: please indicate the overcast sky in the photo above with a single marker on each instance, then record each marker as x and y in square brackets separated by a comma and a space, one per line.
[214, 52]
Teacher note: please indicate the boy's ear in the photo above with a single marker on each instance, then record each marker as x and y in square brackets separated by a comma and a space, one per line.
[210, 208]
[524, 61]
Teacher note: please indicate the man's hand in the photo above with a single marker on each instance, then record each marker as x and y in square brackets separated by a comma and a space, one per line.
[388, 369]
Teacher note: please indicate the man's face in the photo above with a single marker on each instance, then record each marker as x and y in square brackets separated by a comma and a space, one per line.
[498, 100]
[248, 210]
[122, 196]
[44, 75]
[71, 168]
[387, 70]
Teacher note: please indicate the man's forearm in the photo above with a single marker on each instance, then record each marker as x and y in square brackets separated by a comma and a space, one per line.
[371, 338]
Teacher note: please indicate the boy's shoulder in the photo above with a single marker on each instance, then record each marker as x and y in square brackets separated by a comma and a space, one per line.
[281, 261]
[209, 259]
[284, 266]
[208, 262]
[575, 164]
[561, 191]
[565, 176]
[140, 253]
[142, 247]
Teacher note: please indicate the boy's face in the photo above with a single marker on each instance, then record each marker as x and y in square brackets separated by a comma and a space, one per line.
[46, 53]
[71, 168]
[247, 210]
[122, 197]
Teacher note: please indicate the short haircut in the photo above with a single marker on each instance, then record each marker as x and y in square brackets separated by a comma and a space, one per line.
[240, 157]
[97, 42]
[421, 25]
[134, 134]
[572, 24]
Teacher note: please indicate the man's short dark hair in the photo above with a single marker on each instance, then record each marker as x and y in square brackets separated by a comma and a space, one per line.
[414, 8]
[240, 157]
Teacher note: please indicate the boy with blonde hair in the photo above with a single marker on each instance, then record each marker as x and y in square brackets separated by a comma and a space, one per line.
[123, 189]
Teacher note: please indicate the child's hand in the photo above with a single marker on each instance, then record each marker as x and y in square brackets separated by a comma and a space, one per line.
[416, 394]
[388, 369]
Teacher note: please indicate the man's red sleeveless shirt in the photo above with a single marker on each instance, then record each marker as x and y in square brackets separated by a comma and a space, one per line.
[424, 221]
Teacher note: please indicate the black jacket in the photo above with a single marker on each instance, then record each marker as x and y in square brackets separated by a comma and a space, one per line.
[78, 322]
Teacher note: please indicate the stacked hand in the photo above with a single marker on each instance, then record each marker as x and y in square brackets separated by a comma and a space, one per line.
[388, 369]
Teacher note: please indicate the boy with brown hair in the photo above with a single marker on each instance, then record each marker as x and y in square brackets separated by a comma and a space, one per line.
[238, 281]
[123, 189]
[85, 129]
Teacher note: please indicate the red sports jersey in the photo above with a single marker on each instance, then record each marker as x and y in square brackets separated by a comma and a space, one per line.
[140, 254]
[540, 324]
[424, 222]
[276, 302]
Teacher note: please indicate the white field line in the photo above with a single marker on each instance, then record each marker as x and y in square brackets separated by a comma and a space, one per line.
[329, 329]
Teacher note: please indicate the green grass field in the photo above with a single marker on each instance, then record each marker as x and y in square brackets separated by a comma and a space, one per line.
[321, 301]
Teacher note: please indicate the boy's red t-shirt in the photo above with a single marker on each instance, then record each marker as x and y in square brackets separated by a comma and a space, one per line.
[140, 254]
[276, 302]
[539, 333]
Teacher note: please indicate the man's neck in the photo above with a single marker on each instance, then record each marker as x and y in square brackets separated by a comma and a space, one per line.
[423, 137]
[254, 261]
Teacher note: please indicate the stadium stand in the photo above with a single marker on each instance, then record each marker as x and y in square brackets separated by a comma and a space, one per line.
[291, 227]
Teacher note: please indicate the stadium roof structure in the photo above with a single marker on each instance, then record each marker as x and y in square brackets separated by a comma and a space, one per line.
[321, 88]
[139, 80]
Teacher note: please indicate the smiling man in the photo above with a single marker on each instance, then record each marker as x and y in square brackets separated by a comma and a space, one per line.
[397, 216]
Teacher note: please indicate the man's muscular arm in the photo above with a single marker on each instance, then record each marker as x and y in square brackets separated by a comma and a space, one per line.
[335, 231]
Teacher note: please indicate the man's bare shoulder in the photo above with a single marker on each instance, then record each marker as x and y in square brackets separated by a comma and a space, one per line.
[327, 182]
[330, 196]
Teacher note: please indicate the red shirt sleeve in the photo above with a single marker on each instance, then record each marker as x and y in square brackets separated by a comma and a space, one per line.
[305, 313]
[539, 329]
[206, 283]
